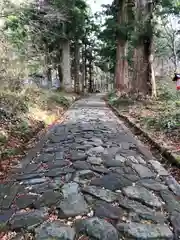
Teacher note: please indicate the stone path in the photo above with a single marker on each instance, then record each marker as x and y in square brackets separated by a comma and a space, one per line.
[92, 180]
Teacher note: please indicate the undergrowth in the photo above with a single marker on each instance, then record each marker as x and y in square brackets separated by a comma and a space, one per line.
[157, 115]
[23, 114]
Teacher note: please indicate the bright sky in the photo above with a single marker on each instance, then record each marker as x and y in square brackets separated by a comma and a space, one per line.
[96, 4]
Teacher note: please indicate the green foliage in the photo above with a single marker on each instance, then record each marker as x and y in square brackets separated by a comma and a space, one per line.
[111, 30]
[57, 98]
[10, 152]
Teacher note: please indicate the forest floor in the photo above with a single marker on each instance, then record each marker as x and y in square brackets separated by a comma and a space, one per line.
[160, 117]
[24, 117]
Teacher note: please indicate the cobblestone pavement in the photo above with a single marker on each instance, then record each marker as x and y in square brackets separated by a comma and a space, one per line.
[92, 180]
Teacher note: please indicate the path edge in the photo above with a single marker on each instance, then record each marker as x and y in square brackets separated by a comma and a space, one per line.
[166, 153]
[41, 138]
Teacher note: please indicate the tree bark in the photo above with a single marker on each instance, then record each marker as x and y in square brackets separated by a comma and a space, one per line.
[142, 67]
[121, 69]
[76, 67]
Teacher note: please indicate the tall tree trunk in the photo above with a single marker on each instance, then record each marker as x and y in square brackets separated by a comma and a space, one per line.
[142, 77]
[85, 65]
[77, 67]
[48, 70]
[90, 77]
[121, 70]
[60, 75]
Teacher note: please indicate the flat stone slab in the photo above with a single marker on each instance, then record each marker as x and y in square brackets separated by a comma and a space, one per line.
[96, 151]
[100, 169]
[152, 184]
[84, 176]
[56, 172]
[145, 231]
[45, 157]
[142, 195]
[5, 216]
[173, 185]
[80, 165]
[175, 220]
[54, 230]
[25, 200]
[161, 171]
[8, 192]
[35, 181]
[171, 204]
[73, 203]
[112, 181]
[48, 199]
[143, 172]
[95, 160]
[77, 156]
[106, 210]
[103, 194]
[132, 205]
[28, 220]
[98, 229]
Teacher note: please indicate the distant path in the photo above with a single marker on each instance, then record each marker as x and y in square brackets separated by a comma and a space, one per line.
[92, 180]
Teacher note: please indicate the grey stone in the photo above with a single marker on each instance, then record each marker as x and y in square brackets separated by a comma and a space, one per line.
[5, 216]
[57, 183]
[59, 155]
[132, 177]
[161, 171]
[8, 192]
[80, 165]
[141, 160]
[48, 199]
[25, 200]
[99, 169]
[134, 206]
[77, 156]
[133, 159]
[143, 171]
[96, 140]
[28, 220]
[98, 229]
[56, 172]
[120, 158]
[175, 220]
[31, 167]
[95, 151]
[84, 176]
[143, 195]
[45, 157]
[91, 200]
[39, 188]
[73, 202]
[152, 184]
[23, 177]
[173, 185]
[171, 203]
[145, 231]
[106, 210]
[95, 160]
[153, 217]
[112, 181]
[54, 230]
[35, 181]
[84, 147]
[113, 163]
[111, 152]
[58, 164]
[103, 194]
